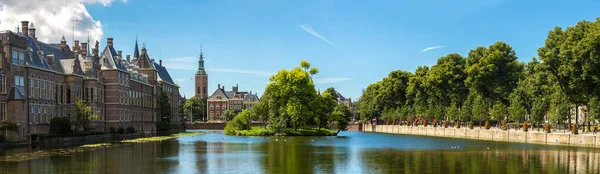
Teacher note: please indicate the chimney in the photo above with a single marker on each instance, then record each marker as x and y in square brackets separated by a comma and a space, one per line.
[32, 31]
[50, 60]
[219, 86]
[160, 62]
[120, 54]
[76, 46]
[94, 52]
[151, 60]
[223, 87]
[84, 48]
[63, 43]
[109, 42]
[25, 27]
[128, 58]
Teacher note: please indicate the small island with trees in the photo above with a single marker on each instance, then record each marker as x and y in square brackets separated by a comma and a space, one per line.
[291, 106]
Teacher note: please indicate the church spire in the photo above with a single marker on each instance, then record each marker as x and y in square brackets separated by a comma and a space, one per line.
[136, 53]
[201, 63]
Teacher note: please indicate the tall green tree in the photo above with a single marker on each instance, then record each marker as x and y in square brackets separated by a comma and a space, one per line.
[228, 115]
[559, 109]
[340, 116]
[368, 106]
[83, 115]
[417, 91]
[516, 109]
[446, 80]
[572, 57]
[334, 93]
[164, 108]
[393, 89]
[479, 109]
[493, 72]
[195, 107]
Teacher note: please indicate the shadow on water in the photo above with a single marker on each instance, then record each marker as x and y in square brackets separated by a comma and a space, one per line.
[351, 152]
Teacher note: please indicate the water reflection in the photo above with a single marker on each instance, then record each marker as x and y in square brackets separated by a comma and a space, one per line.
[357, 153]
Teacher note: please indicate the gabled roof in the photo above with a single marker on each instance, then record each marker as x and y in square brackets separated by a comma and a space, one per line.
[251, 97]
[113, 60]
[58, 55]
[218, 92]
[163, 74]
[144, 61]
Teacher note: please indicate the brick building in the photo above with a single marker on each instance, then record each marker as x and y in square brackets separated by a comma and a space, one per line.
[39, 81]
[201, 81]
[234, 100]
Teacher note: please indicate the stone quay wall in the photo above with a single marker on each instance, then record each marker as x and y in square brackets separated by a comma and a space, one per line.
[531, 136]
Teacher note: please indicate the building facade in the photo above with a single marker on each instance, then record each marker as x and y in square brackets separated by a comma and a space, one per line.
[39, 81]
[234, 100]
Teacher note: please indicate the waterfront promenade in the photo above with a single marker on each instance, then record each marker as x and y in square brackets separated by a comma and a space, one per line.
[493, 134]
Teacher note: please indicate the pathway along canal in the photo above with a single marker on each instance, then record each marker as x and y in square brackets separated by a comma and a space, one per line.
[354, 152]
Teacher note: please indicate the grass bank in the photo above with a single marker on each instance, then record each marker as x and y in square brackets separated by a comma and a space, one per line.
[261, 131]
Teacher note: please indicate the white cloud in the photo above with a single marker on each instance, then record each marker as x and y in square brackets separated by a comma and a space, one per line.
[431, 48]
[331, 80]
[241, 71]
[52, 18]
[310, 30]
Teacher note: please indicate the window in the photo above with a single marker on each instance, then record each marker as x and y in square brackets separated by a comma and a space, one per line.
[37, 89]
[43, 89]
[198, 90]
[2, 84]
[19, 83]
[3, 111]
[119, 77]
[18, 58]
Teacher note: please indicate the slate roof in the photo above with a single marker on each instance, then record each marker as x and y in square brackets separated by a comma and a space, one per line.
[113, 57]
[251, 97]
[220, 92]
[35, 58]
[163, 74]
[49, 49]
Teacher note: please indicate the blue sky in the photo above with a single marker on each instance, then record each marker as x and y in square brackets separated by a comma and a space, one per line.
[245, 41]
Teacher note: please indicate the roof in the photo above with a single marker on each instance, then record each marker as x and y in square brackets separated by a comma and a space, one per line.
[16, 94]
[112, 59]
[58, 53]
[218, 92]
[36, 56]
[251, 97]
[163, 74]
[136, 53]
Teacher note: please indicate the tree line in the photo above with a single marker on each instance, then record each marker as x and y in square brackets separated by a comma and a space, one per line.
[491, 83]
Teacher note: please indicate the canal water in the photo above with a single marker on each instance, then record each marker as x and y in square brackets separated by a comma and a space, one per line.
[352, 152]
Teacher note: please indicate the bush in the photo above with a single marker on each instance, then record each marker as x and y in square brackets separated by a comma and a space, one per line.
[130, 130]
[547, 128]
[574, 129]
[504, 126]
[121, 130]
[424, 123]
[445, 123]
[525, 127]
[113, 130]
[60, 125]
[435, 123]
[458, 124]
[470, 125]
[487, 125]
[163, 126]
[240, 122]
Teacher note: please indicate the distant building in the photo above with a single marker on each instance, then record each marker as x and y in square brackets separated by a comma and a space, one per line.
[234, 100]
[346, 101]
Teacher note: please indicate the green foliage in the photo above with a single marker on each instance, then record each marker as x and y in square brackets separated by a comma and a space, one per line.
[516, 109]
[594, 109]
[60, 125]
[7, 125]
[255, 131]
[241, 121]
[163, 126]
[130, 130]
[446, 79]
[453, 112]
[479, 109]
[195, 106]
[498, 111]
[559, 109]
[340, 116]
[228, 115]
[493, 72]
[164, 108]
[260, 131]
[113, 130]
[121, 130]
[334, 94]
[324, 106]
[83, 115]
[465, 111]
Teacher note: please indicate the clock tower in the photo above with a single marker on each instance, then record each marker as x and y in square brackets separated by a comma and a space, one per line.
[201, 78]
